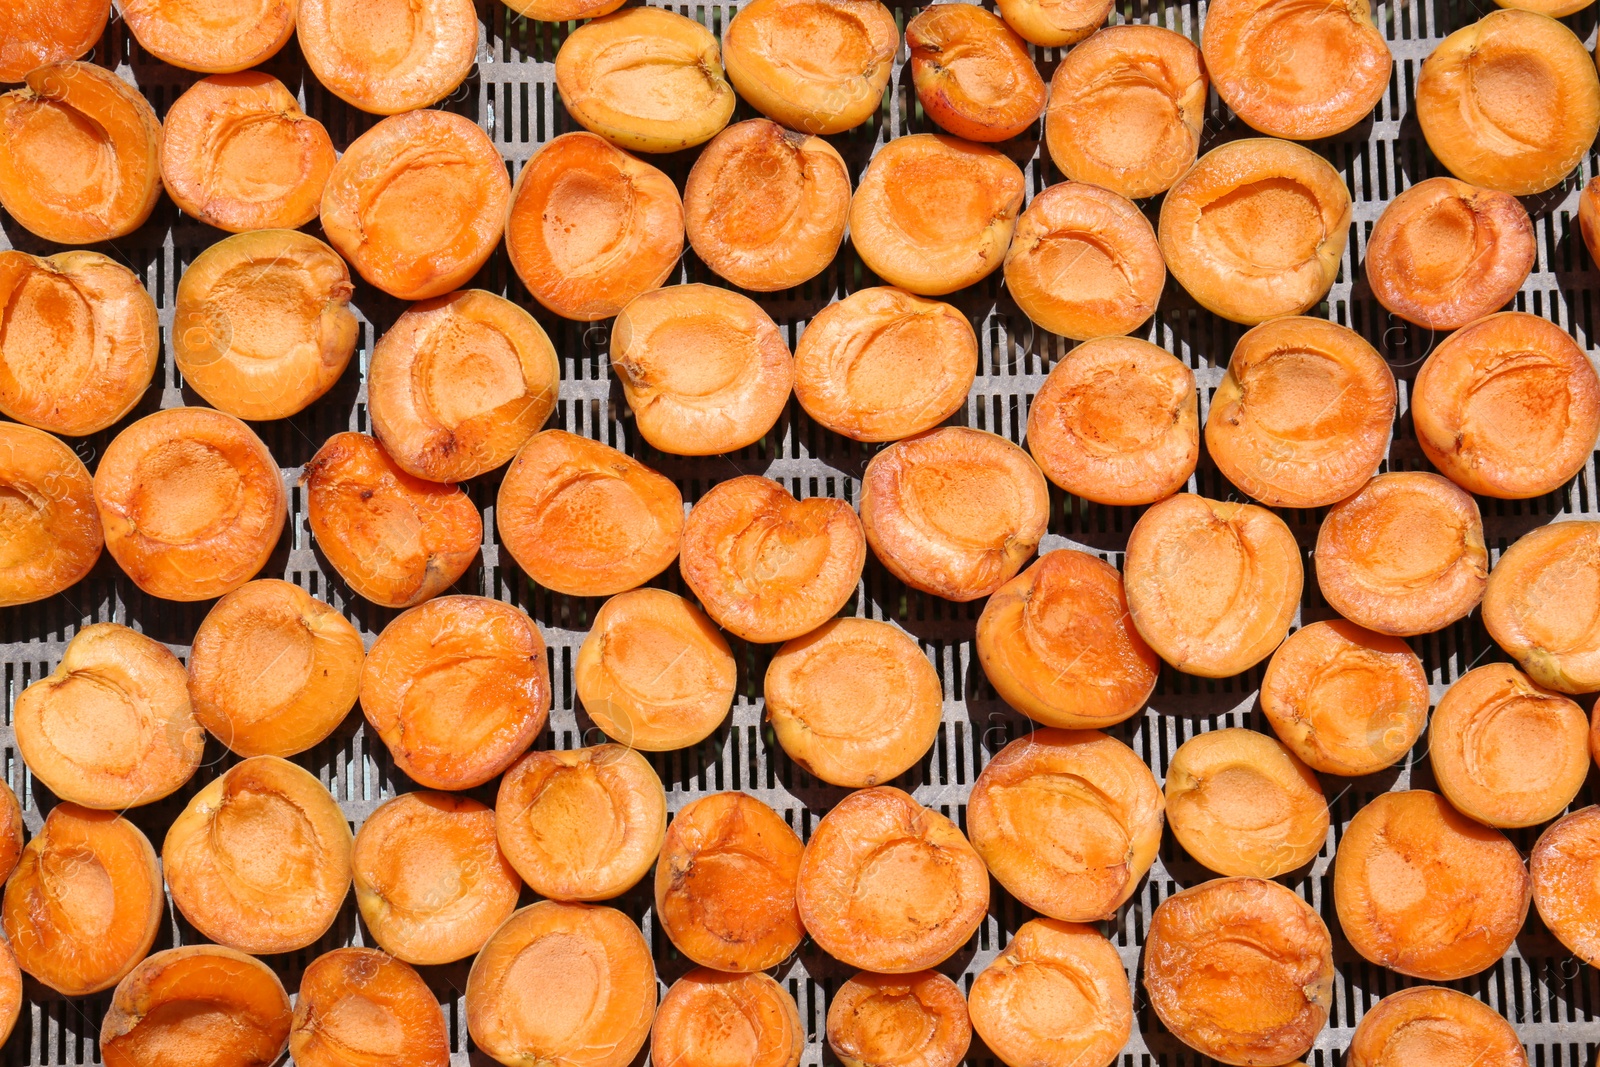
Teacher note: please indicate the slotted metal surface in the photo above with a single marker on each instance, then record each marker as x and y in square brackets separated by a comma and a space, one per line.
[1552, 998]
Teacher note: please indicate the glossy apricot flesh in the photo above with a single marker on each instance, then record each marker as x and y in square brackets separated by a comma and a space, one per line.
[765, 207]
[1068, 821]
[35, 33]
[583, 519]
[768, 567]
[389, 56]
[358, 1005]
[430, 879]
[457, 688]
[590, 227]
[972, 73]
[899, 1020]
[1403, 556]
[1564, 864]
[1256, 229]
[197, 1004]
[1423, 890]
[1240, 969]
[10, 992]
[219, 38]
[1436, 1027]
[1542, 605]
[418, 202]
[708, 1019]
[53, 535]
[11, 843]
[80, 154]
[1507, 407]
[1212, 585]
[84, 903]
[79, 340]
[1054, 23]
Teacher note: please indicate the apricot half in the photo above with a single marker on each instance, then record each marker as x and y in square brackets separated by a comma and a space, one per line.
[1054, 23]
[899, 1020]
[708, 1019]
[1565, 867]
[1589, 216]
[972, 73]
[1256, 229]
[219, 38]
[389, 56]
[358, 1005]
[1542, 605]
[198, 1004]
[10, 992]
[35, 33]
[1068, 821]
[53, 535]
[1424, 890]
[768, 567]
[11, 843]
[1433, 1025]
[563, 10]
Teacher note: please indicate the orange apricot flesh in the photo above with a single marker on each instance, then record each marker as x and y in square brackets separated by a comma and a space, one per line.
[1542, 605]
[1433, 1025]
[360, 1005]
[1589, 216]
[709, 1018]
[219, 38]
[973, 73]
[899, 1020]
[563, 10]
[36, 33]
[53, 535]
[11, 831]
[1054, 23]
[198, 1004]
[1565, 867]
[10, 992]
[388, 56]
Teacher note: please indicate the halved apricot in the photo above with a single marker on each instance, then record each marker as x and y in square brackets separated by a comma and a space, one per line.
[430, 879]
[583, 824]
[1511, 102]
[768, 567]
[973, 74]
[418, 202]
[590, 227]
[888, 885]
[1565, 867]
[1212, 585]
[11, 831]
[1256, 229]
[53, 535]
[934, 214]
[1433, 1025]
[1068, 821]
[563, 983]
[112, 727]
[1403, 556]
[10, 991]
[563, 10]
[357, 1005]
[198, 1004]
[1507, 407]
[390, 56]
[899, 1020]
[583, 519]
[35, 33]
[725, 884]
[191, 501]
[817, 66]
[221, 37]
[1054, 23]
[954, 512]
[1426, 891]
[1542, 605]
[1302, 418]
[765, 207]
[1345, 700]
[1126, 107]
[1589, 216]
[457, 688]
[708, 1018]
[705, 370]
[79, 340]
[1240, 969]
[645, 78]
[80, 154]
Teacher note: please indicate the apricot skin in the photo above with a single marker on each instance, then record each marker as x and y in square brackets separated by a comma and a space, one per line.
[35, 33]
[709, 1018]
[356, 1003]
[53, 530]
[899, 1020]
[1540, 605]
[973, 73]
[200, 1003]
[1417, 1025]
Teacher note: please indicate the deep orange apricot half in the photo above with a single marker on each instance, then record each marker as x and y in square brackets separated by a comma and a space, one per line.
[973, 73]
[53, 534]
[899, 1020]
[197, 1004]
[389, 56]
[35, 33]
[1054, 23]
[710, 1018]
[358, 1005]
[220, 37]
[1429, 1025]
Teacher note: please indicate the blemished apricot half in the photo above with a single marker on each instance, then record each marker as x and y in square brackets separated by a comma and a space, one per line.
[1507, 407]
[705, 370]
[389, 56]
[1403, 556]
[709, 1018]
[1426, 891]
[221, 37]
[260, 858]
[768, 567]
[888, 885]
[1565, 867]
[79, 340]
[654, 673]
[1126, 108]
[1056, 993]
[199, 1004]
[457, 688]
[1345, 700]
[1084, 262]
[1511, 102]
[563, 10]
[1240, 969]
[973, 73]
[36, 33]
[1057, 643]
[430, 879]
[1054, 23]
[855, 701]
[883, 364]
[113, 726]
[934, 214]
[418, 202]
[459, 383]
[899, 1020]
[10, 992]
[1302, 418]
[80, 154]
[358, 1005]
[646, 79]
[1068, 821]
[766, 207]
[53, 535]
[584, 519]
[954, 512]
[582, 824]
[817, 66]
[1213, 585]
[191, 501]
[1542, 605]
[84, 903]
[590, 227]
[1433, 1025]
[725, 884]
[1256, 229]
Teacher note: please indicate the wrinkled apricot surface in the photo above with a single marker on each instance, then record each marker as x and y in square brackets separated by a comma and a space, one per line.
[1433, 1025]
[34, 33]
[1565, 867]
[973, 73]
[899, 1020]
[360, 1005]
[389, 56]
[1542, 605]
[53, 535]
[709, 1018]
[198, 1004]
[1054, 23]
[218, 38]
